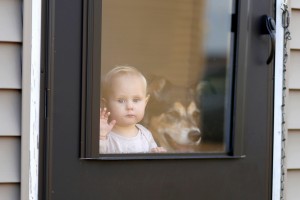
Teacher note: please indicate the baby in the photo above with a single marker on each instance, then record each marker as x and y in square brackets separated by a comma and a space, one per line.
[124, 99]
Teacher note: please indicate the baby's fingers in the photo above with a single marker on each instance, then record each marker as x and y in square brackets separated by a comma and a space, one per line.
[104, 114]
[158, 150]
[161, 150]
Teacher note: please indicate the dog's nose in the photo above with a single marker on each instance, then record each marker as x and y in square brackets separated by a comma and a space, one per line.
[194, 135]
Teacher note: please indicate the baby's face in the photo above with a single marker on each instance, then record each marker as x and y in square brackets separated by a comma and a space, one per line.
[127, 99]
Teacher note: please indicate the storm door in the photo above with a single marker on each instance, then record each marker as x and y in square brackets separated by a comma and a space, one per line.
[205, 63]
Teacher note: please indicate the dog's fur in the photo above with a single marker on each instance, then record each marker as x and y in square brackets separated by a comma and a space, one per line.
[173, 116]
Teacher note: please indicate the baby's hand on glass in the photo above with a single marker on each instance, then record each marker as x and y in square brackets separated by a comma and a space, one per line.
[105, 127]
[158, 150]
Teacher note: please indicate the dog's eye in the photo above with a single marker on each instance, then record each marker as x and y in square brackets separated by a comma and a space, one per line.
[196, 115]
[174, 114]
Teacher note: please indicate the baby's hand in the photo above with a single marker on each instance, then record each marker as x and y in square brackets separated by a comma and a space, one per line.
[105, 127]
[158, 150]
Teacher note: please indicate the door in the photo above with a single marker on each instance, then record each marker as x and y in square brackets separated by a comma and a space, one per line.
[242, 171]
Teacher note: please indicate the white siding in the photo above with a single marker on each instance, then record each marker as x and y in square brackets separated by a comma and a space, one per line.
[10, 65]
[10, 98]
[292, 185]
[295, 30]
[295, 4]
[293, 150]
[10, 115]
[10, 160]
[293, 109]
[11, 20]
[9, 191]
[294, 69]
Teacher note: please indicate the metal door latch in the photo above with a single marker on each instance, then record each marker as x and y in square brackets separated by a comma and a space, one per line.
[269, 28]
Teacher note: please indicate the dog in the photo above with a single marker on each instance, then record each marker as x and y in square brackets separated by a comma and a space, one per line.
[173, 117]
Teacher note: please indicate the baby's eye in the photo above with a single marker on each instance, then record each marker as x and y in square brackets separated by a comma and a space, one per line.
[121, 100]
[136, 100]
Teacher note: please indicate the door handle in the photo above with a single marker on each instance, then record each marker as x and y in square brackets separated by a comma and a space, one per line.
[269, 28]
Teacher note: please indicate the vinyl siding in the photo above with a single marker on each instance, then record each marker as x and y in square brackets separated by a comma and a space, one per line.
[10, 63]
[293, 109]
[293, 178]
[10, 160]
[295, 16]
[9, 191]
[294, 68]
[295, 4]
[292, 185]
[10, 98]
[293, 150]
[10, 115]
[11, 20]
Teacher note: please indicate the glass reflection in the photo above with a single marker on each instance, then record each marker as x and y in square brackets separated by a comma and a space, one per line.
[184, 48]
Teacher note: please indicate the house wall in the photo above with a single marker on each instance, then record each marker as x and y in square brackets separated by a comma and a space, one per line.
[293, 107]
[11, 43]
[10, 98]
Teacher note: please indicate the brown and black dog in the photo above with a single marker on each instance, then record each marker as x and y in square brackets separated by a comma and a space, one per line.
[173, 116]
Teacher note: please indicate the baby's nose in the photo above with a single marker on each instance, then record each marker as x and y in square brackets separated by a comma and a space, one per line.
[129, 105]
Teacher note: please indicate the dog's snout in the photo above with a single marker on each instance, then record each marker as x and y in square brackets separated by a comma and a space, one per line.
[194, 135]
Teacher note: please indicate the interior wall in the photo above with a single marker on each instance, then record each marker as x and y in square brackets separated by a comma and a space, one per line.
[161, 38]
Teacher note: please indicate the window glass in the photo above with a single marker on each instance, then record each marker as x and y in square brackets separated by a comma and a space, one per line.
[184, 50]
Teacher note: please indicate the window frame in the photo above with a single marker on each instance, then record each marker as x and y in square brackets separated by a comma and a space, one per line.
[91, 90]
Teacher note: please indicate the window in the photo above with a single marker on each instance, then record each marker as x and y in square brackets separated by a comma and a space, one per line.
[186, 52]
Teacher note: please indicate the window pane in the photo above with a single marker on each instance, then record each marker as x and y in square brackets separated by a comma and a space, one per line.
[184, 49]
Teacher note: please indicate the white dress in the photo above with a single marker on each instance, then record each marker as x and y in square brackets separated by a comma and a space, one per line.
[143, 142]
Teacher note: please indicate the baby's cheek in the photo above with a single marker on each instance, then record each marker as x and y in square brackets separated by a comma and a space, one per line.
[113, 115]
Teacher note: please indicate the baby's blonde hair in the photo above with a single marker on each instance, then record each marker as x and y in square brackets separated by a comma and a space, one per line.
[117, 71]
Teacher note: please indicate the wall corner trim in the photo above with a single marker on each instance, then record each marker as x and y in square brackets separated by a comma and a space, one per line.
[278, 86]
[30, 99]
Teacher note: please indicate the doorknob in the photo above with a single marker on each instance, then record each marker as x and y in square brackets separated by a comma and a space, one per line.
[269, 28]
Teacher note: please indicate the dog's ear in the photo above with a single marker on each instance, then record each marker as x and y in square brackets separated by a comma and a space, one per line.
[156, 87]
